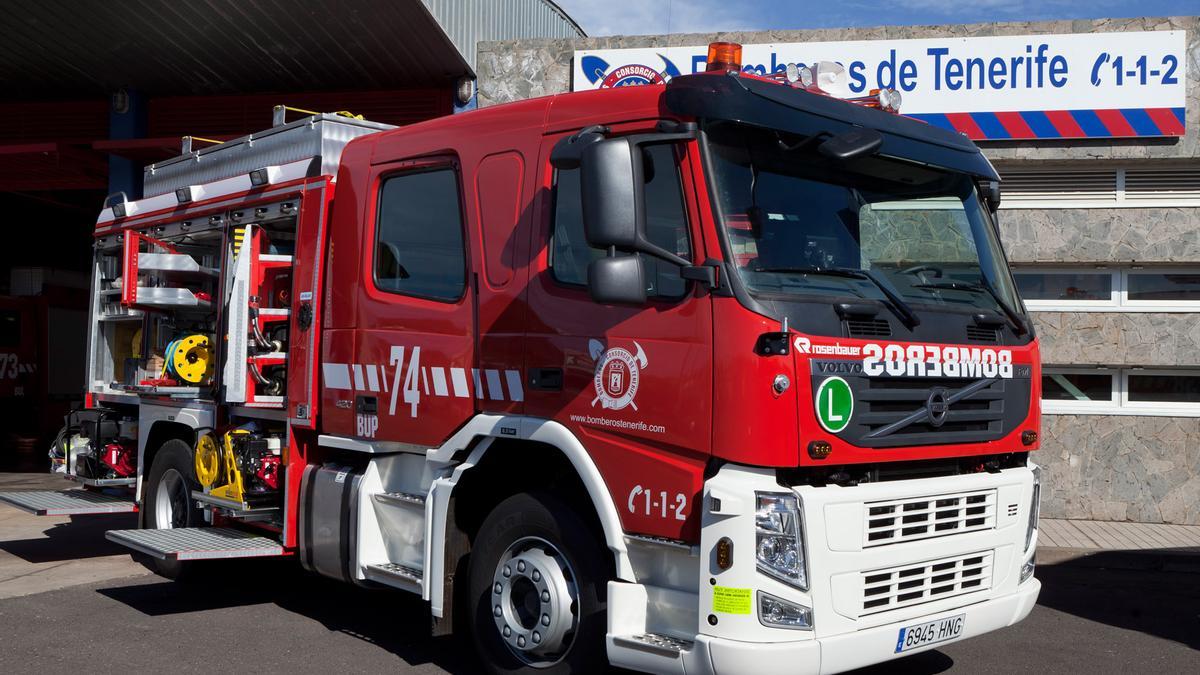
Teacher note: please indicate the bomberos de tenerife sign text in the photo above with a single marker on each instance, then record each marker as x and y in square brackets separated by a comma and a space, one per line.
[1087, 85]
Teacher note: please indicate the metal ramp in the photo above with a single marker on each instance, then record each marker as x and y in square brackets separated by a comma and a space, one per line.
[196, 543]
[68, 502]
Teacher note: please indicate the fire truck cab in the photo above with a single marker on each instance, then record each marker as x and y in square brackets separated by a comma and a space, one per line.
[723, 375]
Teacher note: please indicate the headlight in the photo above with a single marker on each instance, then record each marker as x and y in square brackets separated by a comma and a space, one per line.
[780, 613]
[1034, 504]
[780, 545]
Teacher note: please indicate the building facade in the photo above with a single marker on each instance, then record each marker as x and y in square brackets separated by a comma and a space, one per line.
[1104, 238]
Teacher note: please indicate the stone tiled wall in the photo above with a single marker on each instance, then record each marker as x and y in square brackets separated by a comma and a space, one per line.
[1111, 468]
[1160, 235]
[1144, 469]
[1117, 339]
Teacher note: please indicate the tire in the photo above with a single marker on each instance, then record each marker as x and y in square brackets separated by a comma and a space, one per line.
[168, 502]
[534, 548]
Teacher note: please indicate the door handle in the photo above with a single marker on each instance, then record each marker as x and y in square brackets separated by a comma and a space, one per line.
[366, 405]
[546, 379]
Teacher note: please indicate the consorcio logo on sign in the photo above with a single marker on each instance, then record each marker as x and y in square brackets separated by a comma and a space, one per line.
[1086, 85]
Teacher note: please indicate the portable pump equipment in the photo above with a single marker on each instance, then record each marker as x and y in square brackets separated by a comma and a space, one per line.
[725, 374]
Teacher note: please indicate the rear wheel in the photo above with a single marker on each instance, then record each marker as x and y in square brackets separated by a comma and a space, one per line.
[537, 588]
[168, 501]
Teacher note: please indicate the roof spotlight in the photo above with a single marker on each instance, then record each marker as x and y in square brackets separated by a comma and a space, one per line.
[830, 78]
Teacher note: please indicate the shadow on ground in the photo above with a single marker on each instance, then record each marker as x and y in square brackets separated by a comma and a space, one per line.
[392, 620]
[1154, 602]
[81, 537]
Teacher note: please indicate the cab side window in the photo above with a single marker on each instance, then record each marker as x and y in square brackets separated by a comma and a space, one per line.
[419, 236]
[666, 226]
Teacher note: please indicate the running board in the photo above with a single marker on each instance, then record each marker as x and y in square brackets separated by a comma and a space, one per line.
[405, 498]
[653, 643]
[390, 573]
[196, 543]
[68, 502]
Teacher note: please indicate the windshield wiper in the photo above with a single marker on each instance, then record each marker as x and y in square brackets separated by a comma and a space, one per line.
[898, 306]
[1014, 319]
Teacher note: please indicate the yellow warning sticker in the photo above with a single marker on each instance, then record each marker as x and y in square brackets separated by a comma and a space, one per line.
[728, 600]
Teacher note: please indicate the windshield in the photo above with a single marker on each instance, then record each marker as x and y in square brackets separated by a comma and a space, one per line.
[800, 224]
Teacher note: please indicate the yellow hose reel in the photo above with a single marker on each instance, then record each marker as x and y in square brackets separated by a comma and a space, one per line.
[208, 461]
[191, 359]
[217, 466]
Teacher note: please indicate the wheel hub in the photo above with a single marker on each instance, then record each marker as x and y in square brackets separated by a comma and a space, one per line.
[535, 601]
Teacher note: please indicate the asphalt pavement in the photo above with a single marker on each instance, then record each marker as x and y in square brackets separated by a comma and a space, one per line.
[1107, 612]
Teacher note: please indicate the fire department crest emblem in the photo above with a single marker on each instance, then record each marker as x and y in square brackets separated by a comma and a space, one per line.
[617, 375]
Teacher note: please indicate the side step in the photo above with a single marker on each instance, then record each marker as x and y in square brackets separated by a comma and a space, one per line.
[654, 643]
[400, 498]
[68, 502]
[196, 543]
[390, 573]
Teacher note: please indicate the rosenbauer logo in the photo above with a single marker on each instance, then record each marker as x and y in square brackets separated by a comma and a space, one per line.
[618, 373]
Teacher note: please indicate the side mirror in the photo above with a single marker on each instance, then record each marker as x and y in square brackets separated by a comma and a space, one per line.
[612, 191]
[610, 188]
[991, 195]
[617, 280]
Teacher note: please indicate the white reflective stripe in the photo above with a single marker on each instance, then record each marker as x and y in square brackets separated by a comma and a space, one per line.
[383, 373]
[358, 378]
[513, 378]
[337, 375]
[459, 377]
[372, 378]
[495, 392]
[439, 381]
[425, 380]
[478, 384]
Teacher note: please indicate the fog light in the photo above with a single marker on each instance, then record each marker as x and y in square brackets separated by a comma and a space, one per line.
[1027, 569]
[779, 613]
[819, 449]
[1029, 437]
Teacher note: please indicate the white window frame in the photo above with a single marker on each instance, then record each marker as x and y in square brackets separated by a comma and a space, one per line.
[1057, 406]
[1180, 408]
[1119, 299]
[1119, 403]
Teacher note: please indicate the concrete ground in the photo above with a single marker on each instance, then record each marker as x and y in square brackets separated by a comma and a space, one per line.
[71, 601]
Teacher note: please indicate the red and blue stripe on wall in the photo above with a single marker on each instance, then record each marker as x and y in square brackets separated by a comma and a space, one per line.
[1115, 123]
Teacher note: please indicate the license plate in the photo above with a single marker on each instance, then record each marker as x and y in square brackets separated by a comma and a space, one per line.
[930, 632]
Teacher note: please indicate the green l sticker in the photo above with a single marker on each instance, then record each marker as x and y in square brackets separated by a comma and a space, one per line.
[835, 404]
[728, 600]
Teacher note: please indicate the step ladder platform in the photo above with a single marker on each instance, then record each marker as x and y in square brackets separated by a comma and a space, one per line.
[68, 502]
[196, 543]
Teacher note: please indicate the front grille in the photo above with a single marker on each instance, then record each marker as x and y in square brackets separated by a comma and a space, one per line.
[981, 334]
[896, 521]
[916, 584]
[882, 402]
[868, 328]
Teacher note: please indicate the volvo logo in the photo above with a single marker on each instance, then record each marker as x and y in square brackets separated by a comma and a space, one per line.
[936, 406]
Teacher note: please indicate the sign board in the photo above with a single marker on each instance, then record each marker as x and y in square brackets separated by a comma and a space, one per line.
[1086, 85]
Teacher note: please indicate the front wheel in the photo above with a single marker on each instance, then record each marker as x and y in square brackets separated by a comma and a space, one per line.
[538, 577]
[168, 502]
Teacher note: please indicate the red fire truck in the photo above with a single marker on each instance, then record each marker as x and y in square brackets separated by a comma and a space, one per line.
[722, 375]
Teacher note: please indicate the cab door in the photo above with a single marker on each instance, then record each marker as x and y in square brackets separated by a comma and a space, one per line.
[633, 384]
[412, 372]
